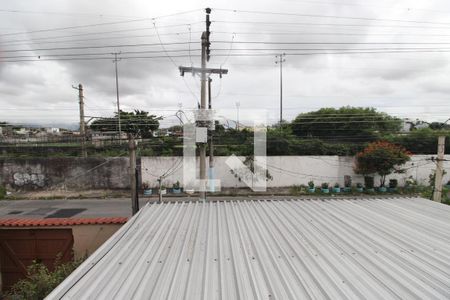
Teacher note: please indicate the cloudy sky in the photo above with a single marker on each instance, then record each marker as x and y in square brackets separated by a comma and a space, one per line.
[48, 46]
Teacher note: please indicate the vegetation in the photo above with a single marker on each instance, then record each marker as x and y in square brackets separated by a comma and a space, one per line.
[343, 131]
[41, 281]
[382, 158]
[2, 192]
[138, 122]
[362, 124]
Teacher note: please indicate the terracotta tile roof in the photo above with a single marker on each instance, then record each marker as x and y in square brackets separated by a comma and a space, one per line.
[60, 221]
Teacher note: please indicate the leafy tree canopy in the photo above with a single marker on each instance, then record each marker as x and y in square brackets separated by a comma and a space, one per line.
[351, 123]
[137, 122]
[381, 157]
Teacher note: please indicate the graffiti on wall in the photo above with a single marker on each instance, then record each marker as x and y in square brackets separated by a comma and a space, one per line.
[22, 179]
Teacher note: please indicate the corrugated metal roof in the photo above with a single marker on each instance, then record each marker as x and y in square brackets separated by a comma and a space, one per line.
[397, 248]
[60, 221]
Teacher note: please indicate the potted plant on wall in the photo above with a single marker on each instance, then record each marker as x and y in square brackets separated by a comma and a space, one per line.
[368, 184]
[347, 183]
[336, 188]
[410, 184]
[393, 183]
[311, 187]
[325, 188]
[147, 191]
[359, 187]
[176, 189]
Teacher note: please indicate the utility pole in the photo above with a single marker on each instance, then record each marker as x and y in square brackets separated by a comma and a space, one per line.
[238, 105]
[211, 146]
[117, 96]
[82, 124]
[205, 55]
[280, 60]
[133, 173]
[437, 194]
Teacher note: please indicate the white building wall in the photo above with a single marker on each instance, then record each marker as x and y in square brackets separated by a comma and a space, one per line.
[289, 170]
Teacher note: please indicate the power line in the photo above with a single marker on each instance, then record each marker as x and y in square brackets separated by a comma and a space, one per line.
[173, 62]
[234, 55]
[327, 24]
[38, 41]
[296, 33]
[98, 24]
[227, 55]
[327, 16]
[94, 47]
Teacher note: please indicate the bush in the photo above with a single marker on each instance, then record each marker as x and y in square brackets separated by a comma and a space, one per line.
[2, 192]
[368, 182]
[41, 281]
[393, 183]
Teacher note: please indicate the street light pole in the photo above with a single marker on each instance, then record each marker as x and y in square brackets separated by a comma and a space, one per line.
[280, 60]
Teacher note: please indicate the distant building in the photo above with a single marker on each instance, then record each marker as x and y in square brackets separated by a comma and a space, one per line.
[52, 130]
[409, 125]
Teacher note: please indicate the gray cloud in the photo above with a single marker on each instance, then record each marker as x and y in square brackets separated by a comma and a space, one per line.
[380, 80]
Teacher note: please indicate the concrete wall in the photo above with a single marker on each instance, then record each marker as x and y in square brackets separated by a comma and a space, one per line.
[112, 173]
[289, 170]
[88, 238]
[72, 173]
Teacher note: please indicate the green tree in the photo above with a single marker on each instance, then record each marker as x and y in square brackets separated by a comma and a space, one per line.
[381, 157]
[351, 124]
[137, 122]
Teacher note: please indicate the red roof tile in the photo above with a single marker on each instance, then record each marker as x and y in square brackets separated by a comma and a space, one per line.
[61, 221]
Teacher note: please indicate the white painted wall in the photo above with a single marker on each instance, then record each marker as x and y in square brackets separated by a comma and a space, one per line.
[289, 170]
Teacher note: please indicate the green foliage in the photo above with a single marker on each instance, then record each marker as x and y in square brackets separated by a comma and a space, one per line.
[420, 141]
[432, 177]
[138, 122]
[368, 182]
[41, 281]
[382, 158]
[393, 183]
[362, 124]
[2, 192]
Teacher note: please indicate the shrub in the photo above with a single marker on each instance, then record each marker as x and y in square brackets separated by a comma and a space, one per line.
[368, 182]
[325, 185]
[2, 192]
[311, 184]
[393, 183]
[41, 281]
[382, 158]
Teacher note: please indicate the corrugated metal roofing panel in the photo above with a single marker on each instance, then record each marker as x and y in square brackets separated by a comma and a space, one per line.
[397, 248]
[60, 221]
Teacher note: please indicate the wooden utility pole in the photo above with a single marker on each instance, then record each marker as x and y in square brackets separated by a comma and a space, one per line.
[117, 97]
[280, 60]
[133, 177]
[437, 195]
[205, 73]
[82, 123]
